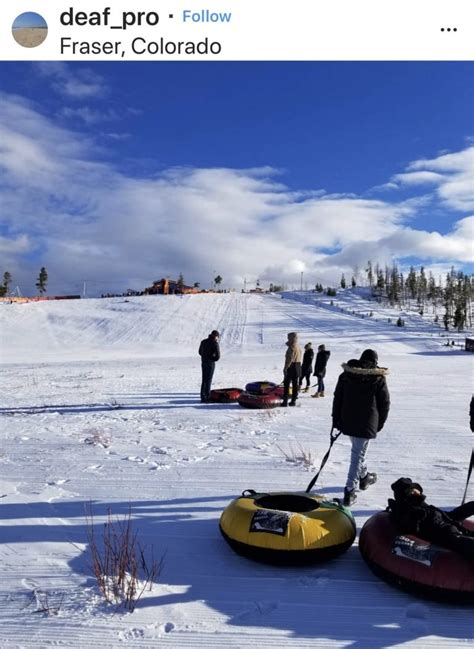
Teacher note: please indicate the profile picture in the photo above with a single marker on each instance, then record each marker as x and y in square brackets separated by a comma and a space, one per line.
[29, 29]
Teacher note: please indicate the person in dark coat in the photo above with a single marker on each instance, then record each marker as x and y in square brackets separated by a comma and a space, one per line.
[322, 358]
[307, 366]
[411, 514]
[210, 353]
[359, 410]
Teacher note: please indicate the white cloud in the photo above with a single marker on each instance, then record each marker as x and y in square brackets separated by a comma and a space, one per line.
[83, 219]
[117, 136]
[14, 245]
[419, 178]
[88, 115]
[72, 81]
[452, 174]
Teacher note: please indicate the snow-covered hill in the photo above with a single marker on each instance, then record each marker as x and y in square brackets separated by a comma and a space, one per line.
[100, 407]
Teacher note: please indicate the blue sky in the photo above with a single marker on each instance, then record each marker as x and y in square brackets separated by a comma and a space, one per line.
[29, 19]
[140, 170]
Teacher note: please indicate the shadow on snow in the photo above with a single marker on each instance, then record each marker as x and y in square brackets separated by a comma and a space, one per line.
[340, 600]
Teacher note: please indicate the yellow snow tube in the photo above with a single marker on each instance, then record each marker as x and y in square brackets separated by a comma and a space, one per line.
[287, 528]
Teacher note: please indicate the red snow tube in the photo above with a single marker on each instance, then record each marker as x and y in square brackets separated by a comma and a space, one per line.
[259, 401]
[225, 395]
[415, 565]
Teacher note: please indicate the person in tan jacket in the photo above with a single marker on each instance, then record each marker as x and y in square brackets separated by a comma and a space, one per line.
[291, 370]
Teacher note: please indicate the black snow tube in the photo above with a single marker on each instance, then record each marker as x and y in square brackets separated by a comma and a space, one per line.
[225, 395]
[265, 387]
[260, 387]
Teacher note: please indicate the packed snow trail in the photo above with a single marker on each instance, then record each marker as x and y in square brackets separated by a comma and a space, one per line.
[100, 409]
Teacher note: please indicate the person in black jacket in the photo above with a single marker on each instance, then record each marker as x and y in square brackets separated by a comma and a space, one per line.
[210, 353]
[322, 358]
[412, 515]
[360, 409]
[307, 366]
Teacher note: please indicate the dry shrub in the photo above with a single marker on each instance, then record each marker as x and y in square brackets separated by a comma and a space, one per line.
[300, 456]
[119, 562]
[96, 438]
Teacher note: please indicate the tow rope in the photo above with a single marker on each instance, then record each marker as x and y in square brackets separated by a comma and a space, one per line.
[333, 438]
[471, 465]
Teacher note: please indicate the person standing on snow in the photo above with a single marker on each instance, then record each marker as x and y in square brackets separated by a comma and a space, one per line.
[307, 366]
[322, 358]
[210, 353]
[291, 370]
[360, 409]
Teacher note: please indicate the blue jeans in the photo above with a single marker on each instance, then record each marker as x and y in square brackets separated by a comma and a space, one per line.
[357, 467]
[320, 383]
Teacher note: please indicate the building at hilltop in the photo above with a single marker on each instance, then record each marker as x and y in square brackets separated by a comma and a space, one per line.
[168, 286]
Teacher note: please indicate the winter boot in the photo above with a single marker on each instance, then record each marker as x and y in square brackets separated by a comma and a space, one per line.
[321, 394]
[284, 403]
[315, 395]
[350, 497]
[292, 403]
[305, 390]
[367, 480]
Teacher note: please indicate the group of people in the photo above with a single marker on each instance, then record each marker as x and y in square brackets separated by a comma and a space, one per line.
[360, 409]
[295, 371]
[361, 399]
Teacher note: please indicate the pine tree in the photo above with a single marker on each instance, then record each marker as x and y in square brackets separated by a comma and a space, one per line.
[353, 282]
[380, 280]
[7, 278]
[42, 280]
[449, 293]
[402, 289]
[411, 282]
[459, 317]
[343, 281]
[393, 288]
[422, 286]
[180, 282]
[370, 274]
[431, 291]
[218, 280]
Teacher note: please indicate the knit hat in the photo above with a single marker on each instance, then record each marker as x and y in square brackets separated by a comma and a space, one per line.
[215, 334]
[402, 487]
[307, 346]
[369, 355]
[292, 336]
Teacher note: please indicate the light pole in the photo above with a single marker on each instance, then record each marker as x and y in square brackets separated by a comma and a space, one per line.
[301, 280]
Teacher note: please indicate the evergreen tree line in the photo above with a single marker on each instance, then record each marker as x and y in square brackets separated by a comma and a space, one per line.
[452, 300]
[41, 282]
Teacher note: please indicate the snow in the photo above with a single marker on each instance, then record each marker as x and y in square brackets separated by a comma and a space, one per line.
[100, 413]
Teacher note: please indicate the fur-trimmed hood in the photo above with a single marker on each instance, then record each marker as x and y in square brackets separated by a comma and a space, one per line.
[363, 369]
